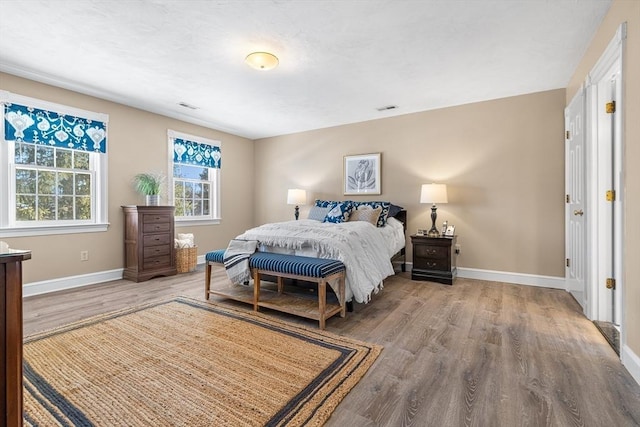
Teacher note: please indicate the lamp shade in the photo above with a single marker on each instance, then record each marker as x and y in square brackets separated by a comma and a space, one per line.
[262, 61]
[296, 197]
[433, 193]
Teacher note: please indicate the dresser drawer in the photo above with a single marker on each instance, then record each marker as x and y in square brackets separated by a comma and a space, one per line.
[155, 218]
[431, 264]
[157, 239]
[156, 227]
[435, 252]
[157, 250]
[156, 261]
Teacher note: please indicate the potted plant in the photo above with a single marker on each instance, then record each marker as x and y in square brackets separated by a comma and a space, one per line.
[149, 184]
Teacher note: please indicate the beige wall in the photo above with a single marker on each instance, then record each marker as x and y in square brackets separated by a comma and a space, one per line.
[503, 162]
[621, 11]
[137, 143]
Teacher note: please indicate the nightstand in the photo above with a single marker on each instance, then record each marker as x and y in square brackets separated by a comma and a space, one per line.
[434, 259]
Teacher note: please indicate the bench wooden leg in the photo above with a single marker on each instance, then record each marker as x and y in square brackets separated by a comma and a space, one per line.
[322, 302]
[207, 280]
[256, 288]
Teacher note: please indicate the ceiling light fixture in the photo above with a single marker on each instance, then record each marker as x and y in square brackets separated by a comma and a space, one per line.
[262, 61]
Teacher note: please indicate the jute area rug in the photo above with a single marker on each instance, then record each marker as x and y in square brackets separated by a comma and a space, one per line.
[188, 363]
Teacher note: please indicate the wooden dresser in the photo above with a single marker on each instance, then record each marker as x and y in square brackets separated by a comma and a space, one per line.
[148, 242]
[11, 336]
[434, 259]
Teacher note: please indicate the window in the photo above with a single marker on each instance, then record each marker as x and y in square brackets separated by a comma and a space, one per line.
[195, 166]
[53, 160]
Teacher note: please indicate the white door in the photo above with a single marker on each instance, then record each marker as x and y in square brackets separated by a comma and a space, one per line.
[575, 206]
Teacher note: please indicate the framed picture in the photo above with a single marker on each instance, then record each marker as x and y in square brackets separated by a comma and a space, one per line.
[362, 174]
[451, 230]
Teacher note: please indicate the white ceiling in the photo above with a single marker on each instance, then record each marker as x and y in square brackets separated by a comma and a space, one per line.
[340, 60]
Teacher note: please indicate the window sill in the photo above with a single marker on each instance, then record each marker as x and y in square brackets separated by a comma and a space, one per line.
[191, 222]
[53, 229]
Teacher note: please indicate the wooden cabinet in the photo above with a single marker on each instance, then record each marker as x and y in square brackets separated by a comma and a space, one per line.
[148, 242]
[434, 259]
[11, 336]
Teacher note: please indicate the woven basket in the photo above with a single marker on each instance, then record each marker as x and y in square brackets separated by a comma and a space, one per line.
[186, 259]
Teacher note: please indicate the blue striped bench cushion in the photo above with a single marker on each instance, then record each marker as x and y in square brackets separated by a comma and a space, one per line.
[293, 264]
[216, 256]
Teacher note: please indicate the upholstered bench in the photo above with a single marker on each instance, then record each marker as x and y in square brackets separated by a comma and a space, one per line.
[318, 270]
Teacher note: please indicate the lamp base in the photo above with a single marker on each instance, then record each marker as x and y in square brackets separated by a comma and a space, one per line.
[433, 231]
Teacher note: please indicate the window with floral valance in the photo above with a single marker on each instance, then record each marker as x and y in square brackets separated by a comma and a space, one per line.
[56, 158]
[196, 163]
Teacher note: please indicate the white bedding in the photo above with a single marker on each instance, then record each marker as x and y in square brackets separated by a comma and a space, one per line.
[365, 250]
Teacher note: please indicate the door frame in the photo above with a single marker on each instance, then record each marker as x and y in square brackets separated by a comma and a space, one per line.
[597, 228]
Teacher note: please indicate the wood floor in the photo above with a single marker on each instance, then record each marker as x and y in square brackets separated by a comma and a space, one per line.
[473, 354]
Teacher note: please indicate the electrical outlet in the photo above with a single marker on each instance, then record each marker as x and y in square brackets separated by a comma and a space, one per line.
[84, 255]
[457, 249]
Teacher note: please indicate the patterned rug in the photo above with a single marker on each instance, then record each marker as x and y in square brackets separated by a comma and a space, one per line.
[188, 363]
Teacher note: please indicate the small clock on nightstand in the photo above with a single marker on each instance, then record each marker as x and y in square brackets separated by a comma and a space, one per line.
[434, 259]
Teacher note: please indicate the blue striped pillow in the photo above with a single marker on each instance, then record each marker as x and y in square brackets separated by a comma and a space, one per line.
[317, 213]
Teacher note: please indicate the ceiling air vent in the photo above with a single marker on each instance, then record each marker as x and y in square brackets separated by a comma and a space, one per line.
[185, 105]
[388, 107]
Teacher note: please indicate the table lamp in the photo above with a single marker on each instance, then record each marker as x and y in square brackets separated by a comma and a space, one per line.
[296, 197]
[433, 193]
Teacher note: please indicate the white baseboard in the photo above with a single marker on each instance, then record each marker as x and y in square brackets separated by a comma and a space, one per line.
[516, 278]
[507, 277]
[46, 286]
[631, 361]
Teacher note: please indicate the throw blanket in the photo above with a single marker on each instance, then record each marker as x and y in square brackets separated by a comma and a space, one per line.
[236, 260]
[359, 245]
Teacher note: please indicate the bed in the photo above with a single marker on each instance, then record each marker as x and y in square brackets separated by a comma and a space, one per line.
[368, 237]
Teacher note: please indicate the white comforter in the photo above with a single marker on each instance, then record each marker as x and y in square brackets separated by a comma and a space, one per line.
[359, 245]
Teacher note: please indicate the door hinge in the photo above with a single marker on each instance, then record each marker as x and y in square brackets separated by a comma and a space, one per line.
[568, 135]
[611, 283]
[611, 195]
[568, 263]
[567, 198]
[610, 107]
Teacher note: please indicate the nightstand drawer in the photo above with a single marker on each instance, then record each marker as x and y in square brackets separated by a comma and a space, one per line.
[431, 264]
[158, 227]
[426, 251]
[157, 239]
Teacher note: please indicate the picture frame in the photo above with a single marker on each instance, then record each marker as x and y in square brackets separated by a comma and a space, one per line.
[362, 174]
[451, 230]
[420, 232]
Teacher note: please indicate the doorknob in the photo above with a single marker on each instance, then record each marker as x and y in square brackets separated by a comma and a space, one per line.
[578, 212]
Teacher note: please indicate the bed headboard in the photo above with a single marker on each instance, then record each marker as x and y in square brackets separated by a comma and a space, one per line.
[402, 217]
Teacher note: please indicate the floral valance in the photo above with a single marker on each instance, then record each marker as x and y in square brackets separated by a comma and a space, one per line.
[196, 153]
[36, 126]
